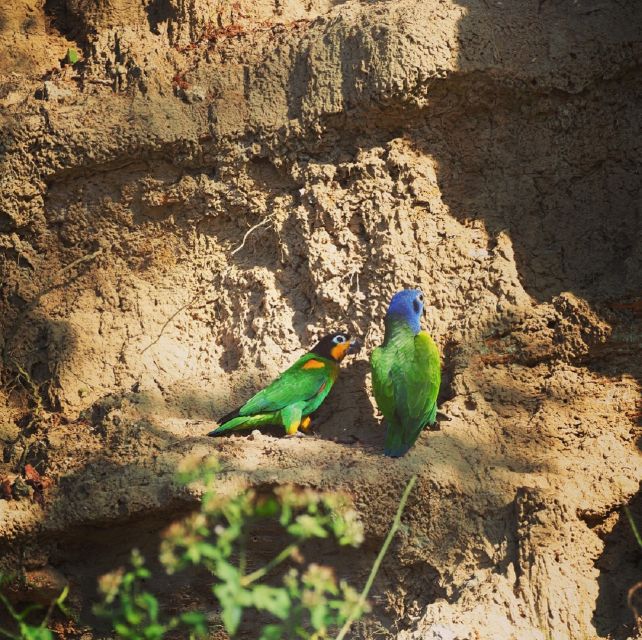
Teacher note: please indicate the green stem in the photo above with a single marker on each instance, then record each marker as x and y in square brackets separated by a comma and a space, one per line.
[50, 609]
[634, 528]
[8, 607]
[260, 573]
[377, 563]
[4, 632]
[243, 553]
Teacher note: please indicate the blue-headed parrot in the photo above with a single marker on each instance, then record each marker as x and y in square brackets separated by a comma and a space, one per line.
[296, 393]
[406, 373]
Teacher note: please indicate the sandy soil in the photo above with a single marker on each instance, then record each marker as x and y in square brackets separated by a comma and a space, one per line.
[488, 153]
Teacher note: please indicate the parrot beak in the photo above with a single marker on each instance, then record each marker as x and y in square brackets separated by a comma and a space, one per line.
[355, 345]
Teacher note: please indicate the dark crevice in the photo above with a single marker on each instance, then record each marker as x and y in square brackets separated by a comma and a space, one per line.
[159, 12]
[620, 567]
[60, 20]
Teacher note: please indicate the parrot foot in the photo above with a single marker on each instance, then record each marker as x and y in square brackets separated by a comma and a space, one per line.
[297, 434]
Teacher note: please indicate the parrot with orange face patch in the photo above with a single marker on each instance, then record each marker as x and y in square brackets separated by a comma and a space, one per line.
[296, 393]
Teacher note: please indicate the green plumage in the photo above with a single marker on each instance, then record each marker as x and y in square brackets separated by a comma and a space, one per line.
[406, 374]
[294, 395]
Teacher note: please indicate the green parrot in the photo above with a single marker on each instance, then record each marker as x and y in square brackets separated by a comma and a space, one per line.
[406, 373]
[296, 393]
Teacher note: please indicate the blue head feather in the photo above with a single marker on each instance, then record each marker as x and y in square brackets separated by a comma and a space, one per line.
[407, 305]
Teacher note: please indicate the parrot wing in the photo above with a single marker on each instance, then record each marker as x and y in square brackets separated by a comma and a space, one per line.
[382, 385]
[297, 384]
[413, 384]
[416, 380]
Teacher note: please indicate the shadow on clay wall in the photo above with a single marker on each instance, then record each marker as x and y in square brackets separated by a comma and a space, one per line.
[620, 567]
[560, 175]
[567, 193]
[69, 539]
[558, 171]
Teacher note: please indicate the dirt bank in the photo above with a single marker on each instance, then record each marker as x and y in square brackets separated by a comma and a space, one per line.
[487, 153]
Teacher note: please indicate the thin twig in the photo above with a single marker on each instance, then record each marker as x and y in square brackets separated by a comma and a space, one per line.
[74, 263]
[169, 320]
[35, 389]
[629, 600]
[41, 292]
[8, 607]
[201, 291]
[263, 571]
[250, 230]
[375, 567]
[55, 603]
[634, 527]
[636, 587]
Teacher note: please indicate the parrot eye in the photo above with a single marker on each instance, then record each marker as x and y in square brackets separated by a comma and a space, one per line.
[420, 297]
[339, 339]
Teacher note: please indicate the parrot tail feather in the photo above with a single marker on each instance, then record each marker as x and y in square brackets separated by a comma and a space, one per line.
[397, 450]
[229, 416]
[239, 423]
[398, 442]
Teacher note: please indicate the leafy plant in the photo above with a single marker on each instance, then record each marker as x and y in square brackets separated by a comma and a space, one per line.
[306, 603]
[24, 629]
[135, 613]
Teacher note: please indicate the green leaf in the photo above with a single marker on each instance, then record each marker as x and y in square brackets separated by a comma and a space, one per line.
[72, 56]
[193, 617]
[137, 559]
[230, 596]
[142, 573]
[272, 632]
[128, 580]
[122, 630]
[319, 616]
[227, 572]
[209, 551]
[196, 620]
[274, 600]
[133, 617]
[193, 554]
[149, 602]
[286, 515]
[267, 508]
[154, 631]
[28, 632]
[60, 601]
[231, 617]
[306, 526]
